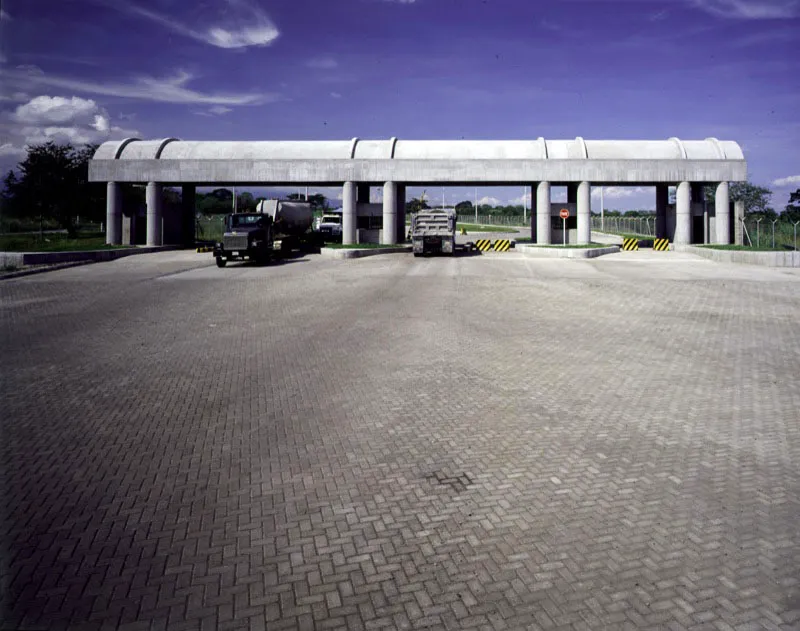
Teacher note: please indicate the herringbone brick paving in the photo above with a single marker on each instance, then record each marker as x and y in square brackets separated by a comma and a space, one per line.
[489, 443]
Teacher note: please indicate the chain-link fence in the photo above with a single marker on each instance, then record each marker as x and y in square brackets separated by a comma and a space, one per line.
[645, 226]
[777, 235]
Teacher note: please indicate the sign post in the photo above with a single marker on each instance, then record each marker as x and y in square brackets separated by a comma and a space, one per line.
[564, 214]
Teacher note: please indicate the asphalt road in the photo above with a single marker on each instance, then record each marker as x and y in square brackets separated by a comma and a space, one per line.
[472, 442]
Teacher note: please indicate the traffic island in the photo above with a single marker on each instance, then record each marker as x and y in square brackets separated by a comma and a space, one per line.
[361, 250]
[741, 254]
[589, 251]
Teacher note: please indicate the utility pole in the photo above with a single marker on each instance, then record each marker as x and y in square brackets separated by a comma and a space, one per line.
[602, 212]
[476, 204]
[234, 200]
[524, 207]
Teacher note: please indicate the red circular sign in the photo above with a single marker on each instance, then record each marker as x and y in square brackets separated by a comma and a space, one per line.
[564, 213]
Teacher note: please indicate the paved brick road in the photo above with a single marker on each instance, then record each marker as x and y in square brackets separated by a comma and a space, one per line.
[484, 442]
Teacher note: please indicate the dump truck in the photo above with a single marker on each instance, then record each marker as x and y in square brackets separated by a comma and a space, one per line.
[276, 224]
[433, 231]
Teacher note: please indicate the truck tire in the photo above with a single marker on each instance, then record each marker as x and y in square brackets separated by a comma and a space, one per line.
[221, 262]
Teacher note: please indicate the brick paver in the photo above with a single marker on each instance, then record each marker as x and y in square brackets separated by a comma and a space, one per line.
[488, 442]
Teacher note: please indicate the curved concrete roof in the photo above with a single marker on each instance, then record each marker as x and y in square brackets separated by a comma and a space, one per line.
[478, 161]
[172, 149]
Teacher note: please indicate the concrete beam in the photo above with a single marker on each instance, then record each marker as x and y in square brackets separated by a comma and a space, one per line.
[543, 232]
[349, 213]
[722, 214]
[683, 214]
[583, 200]
[414, 172]
[113, 214]
[154, 215]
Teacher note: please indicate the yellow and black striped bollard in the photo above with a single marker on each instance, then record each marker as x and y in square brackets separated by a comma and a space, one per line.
[630, 244]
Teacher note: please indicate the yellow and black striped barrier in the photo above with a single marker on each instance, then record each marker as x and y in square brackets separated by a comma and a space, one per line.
[630, 244]
[204, 249]
[662, 245]
[484, 245]
[502, 245]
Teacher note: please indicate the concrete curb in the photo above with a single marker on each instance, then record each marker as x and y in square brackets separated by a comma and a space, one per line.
[336, 253]
[764, 259]
[42, 269]
[49, 258]
[564, 253]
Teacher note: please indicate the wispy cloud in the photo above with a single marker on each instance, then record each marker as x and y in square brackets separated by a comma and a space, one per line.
[245, 24]
[167, 90]
[4, 16]
[619, 192]
[322, 63]
[749, 9]
[217, 110]
[336, 95]
[787, 181]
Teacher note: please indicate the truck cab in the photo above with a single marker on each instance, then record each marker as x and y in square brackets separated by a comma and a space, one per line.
[247, 236]
[330, 227]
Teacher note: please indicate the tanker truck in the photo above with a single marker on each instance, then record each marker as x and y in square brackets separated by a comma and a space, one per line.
[275, 224]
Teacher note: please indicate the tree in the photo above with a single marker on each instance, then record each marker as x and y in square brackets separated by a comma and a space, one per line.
[464, 207]
[756, 198]
[791, 212]
[415, 205]
[53, 183]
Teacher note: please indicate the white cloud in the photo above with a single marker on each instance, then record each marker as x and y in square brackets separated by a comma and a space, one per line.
[787, 181]
[244, 24]
[336, 95]
[323, 63]
[219, 110]
[749, 9]
[167, 90]
[618, 192]
[491, 201]
[58, 119]
[4, 16]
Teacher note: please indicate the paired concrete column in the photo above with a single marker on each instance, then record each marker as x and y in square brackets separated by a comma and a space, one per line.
[154, 218]
[583, 195]
[722, 212]
[113, 214]
[683, 214]
[662, 199]
[543, 231]
[188, 212]
[363, 194]
[401, 213]
[349, 213]
[389, 213]
[738, 218]
[534, 213]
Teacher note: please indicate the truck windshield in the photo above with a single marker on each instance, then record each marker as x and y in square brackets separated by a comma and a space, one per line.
[331, 219]
[240, 221]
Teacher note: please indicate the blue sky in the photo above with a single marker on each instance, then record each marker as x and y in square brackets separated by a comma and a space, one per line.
[91, 70]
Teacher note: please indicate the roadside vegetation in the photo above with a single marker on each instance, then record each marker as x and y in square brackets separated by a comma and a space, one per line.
[471, 227]
[54, 242]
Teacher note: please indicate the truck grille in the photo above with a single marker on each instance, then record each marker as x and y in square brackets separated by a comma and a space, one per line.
[235, 242]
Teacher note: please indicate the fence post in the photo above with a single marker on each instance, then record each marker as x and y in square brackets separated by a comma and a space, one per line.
[758, 231]
[795, 235]
[773, 233]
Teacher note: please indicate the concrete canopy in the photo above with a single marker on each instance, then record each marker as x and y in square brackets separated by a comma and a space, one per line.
[455, 162]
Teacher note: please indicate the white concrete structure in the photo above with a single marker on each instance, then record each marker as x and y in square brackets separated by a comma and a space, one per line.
[358, 164]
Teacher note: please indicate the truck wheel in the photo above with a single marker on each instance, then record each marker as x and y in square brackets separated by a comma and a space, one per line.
[221, 262]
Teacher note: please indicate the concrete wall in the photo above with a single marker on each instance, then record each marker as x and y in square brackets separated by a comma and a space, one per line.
[766, 259]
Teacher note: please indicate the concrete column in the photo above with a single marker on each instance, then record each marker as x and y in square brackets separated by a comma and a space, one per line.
[349, 213]
[389, 213]
[662, 199]
[722, 211]
[584, 212]
[738, 216]
[154, 218]
[534, 214]
[363, 194]
[188, 212]
[543, 231]
[401, 213]
[113, 214]
[683, 214]
[572, 193]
